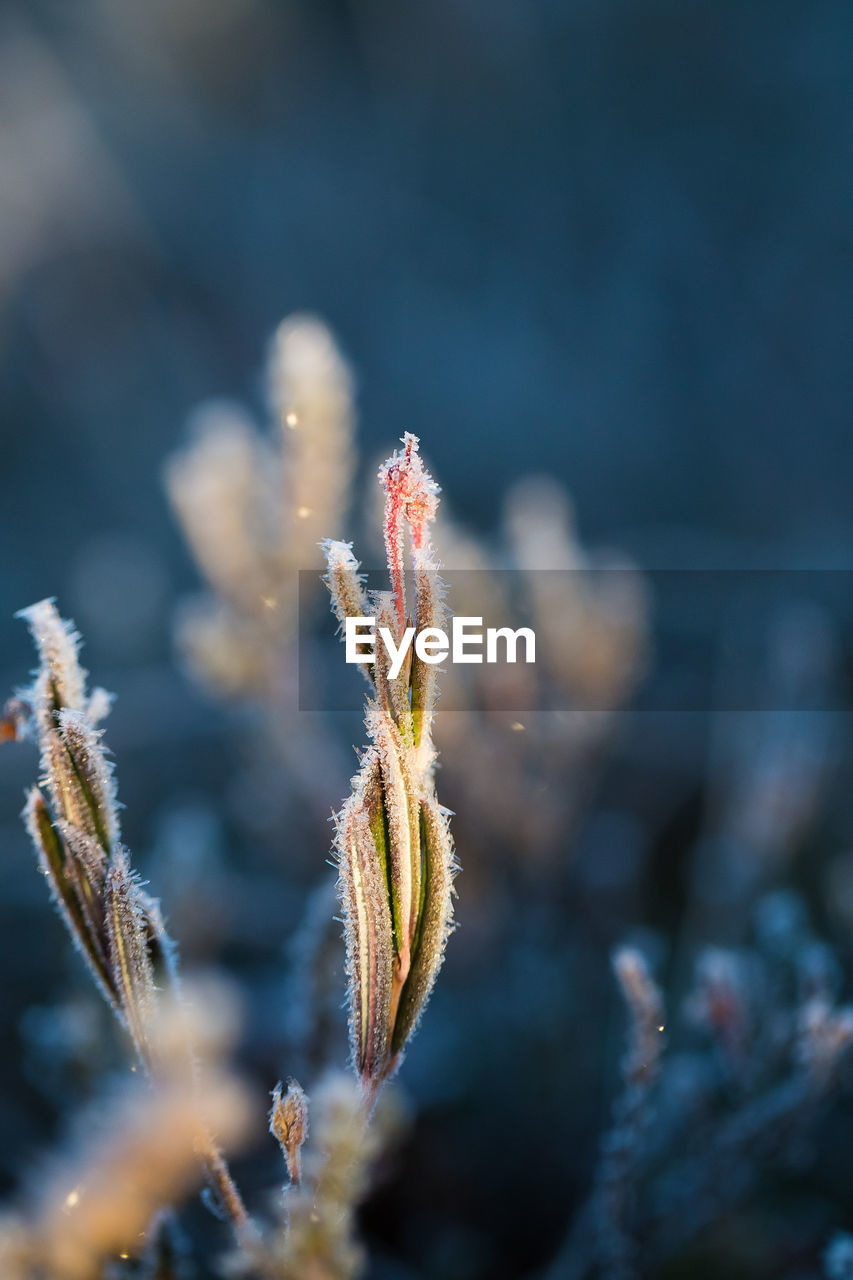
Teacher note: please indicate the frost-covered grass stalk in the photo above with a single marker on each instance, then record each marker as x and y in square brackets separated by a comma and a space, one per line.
[395, 856]
[72, 818]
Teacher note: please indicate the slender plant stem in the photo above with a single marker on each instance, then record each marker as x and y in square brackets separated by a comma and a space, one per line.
[225, 1187]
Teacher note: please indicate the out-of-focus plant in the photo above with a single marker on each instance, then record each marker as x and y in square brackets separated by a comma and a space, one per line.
[135, 1151]
[254, 507]
[693, 1131]
[590, 613]
[769, 774]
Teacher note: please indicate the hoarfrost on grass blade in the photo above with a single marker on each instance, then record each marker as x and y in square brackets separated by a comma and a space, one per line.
[395, 855]
[115, 925]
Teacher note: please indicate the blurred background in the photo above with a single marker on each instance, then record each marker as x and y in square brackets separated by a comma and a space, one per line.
[609, 242]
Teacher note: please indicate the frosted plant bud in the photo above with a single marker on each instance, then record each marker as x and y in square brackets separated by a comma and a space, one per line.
[289, 1125]
[116, 925]
[253, 508]
[394, 851]
[77, 773]
[411, 498]
[321, 1237]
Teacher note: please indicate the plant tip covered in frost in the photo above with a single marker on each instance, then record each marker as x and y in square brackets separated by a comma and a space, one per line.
[72, 819]
[395, 855]
[411, 500]
[289, 1125]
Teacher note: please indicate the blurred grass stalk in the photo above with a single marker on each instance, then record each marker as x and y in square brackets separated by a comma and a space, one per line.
[136, 1151]
[253, 508]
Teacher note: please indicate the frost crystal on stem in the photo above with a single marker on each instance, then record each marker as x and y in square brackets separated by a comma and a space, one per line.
[395, 853]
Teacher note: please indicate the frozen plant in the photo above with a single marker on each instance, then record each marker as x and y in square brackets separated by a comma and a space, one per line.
[395, 856]
[319, 1238]
[289, 1125]
[72, 818]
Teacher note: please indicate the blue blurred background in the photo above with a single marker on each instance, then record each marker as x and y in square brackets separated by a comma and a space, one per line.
[609, 240]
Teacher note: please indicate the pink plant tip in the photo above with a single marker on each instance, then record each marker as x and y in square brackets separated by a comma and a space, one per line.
[411, 497]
